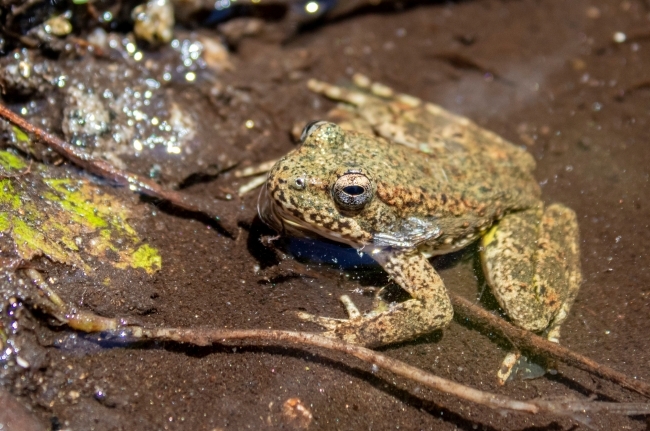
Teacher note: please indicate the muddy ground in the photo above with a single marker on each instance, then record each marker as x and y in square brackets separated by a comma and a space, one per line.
[548, 75]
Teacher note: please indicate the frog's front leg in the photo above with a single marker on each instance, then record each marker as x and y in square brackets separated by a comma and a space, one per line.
[427, 310]
[531, 261]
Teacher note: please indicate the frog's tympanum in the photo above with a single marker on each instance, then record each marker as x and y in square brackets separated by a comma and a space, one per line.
[404, 180]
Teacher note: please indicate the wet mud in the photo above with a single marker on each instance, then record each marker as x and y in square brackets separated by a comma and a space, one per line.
[553, 76]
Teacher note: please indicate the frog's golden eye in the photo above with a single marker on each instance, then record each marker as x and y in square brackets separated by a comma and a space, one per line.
[352, 191]
[310, 128]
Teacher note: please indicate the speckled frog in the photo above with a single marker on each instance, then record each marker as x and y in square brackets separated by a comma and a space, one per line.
[404, 180]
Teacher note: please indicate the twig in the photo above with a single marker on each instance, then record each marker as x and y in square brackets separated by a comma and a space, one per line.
[104, 169]
[528, 341]
[565, 407]
[85, 321]
[525, 340]
[19, 10]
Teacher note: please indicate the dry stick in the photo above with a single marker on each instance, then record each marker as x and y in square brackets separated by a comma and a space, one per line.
[104, 169]
[526, 340]
[570, 407]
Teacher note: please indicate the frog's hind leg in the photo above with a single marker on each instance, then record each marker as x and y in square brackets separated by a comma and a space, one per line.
[331, 323]
[428, 309]
[405, 119]
[531, 261]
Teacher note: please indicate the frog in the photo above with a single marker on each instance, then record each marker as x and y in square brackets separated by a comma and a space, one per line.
[404, 180]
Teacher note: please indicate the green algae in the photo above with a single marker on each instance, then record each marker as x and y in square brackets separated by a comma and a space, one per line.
[48, 211]
[146, 257]
[11, 162]
[20, 135]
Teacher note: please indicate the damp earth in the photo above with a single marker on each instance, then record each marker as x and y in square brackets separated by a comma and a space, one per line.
[568, 81]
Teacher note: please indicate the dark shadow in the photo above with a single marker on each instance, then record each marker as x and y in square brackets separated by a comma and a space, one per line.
[303, 24]
[258, 234]
[229, 212]
[209, 174]
[449, 260]
[430, 338]
[577, 387]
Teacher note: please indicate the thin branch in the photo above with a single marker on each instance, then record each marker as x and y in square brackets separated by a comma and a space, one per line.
[85, 321]
[526, 340]
[104, 169]
[569, 407]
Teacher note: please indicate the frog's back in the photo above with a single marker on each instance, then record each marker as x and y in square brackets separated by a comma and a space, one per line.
[476, 160]
[452, 157]
[460, 156]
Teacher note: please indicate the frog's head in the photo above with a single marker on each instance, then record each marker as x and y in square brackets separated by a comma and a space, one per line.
[329, 186]
[318, 188]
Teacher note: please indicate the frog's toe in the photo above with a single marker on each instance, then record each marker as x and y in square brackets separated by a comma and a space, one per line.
[331, 323]
[337, 93]
[385, 92]
[328, 323]
[376, 88]
[525, 369]
[352, 310]
[507, 367]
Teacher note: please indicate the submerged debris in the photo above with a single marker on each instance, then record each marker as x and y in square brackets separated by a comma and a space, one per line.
[119, 112]
[296, 414]
[154, 21]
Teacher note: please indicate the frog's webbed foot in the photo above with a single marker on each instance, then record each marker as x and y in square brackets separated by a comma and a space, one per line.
[428, 309]
[531, 262]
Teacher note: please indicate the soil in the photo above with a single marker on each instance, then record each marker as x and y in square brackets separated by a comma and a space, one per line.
[549, 75]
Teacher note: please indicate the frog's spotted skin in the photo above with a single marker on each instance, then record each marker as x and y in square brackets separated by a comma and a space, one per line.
[405, 180]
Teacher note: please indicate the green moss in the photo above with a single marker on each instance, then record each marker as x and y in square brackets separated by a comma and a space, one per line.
[5, 223]
[68, 219]
[8, 196]
[77, 203]
[11, 162]
[20, 135]
[147, 258]
[31, 242]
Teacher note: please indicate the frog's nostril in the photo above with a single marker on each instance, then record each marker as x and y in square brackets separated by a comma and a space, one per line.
[299, 183]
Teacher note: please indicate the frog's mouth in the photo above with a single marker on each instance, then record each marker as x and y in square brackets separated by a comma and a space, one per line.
[272, 213]
[268, 211]
[265, 209]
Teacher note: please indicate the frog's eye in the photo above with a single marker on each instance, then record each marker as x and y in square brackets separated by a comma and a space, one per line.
[352, 191]
[310, 128]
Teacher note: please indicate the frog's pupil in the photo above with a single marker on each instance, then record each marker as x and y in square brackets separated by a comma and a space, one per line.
[354, 190]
